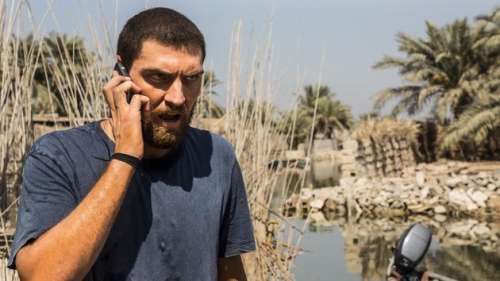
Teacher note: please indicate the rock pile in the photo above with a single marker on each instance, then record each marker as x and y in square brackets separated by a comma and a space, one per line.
[439, 190]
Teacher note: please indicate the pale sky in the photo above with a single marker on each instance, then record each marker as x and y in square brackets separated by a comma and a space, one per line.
[351, 35]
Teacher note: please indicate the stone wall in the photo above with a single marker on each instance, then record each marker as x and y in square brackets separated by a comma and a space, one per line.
[369, 158]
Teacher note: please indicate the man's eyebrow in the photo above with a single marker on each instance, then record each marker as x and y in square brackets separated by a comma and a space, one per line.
[165, 73]
[156, 71]
[199, 72]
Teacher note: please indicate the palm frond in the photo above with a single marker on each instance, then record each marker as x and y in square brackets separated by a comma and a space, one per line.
[474, 124]
[383, 97]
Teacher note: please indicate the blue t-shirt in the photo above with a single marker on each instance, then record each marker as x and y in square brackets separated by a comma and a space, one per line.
[180, 214]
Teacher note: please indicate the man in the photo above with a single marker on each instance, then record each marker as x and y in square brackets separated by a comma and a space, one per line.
[90, 211]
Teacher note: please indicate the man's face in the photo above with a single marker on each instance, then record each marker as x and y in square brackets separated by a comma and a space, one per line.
[171, 79]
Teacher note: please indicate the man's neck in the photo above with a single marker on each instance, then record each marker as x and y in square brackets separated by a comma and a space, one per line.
[150, 152]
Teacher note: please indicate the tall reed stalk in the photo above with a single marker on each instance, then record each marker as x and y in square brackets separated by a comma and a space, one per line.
[16, 85]
[251, 127]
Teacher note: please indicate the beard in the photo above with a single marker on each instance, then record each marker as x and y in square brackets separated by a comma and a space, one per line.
[159, 136]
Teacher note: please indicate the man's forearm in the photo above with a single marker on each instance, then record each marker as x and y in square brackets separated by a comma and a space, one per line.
[68, 250]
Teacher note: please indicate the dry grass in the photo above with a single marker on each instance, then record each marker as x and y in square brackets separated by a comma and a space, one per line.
[248, 125]
[380, 129]
[15, 116]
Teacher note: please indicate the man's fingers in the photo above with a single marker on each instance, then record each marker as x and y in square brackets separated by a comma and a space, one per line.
[138, 102]
[135, 89]
[119, 93]
[108, 89]
[115, 81]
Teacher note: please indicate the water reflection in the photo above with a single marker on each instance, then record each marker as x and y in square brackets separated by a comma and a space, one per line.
[467, 262]
[462, 249]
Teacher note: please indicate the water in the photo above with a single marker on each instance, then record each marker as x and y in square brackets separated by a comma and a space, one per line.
[324, 258]
[355, 251]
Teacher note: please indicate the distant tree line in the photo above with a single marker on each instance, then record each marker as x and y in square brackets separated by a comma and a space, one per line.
[453, 73]
[63, 65]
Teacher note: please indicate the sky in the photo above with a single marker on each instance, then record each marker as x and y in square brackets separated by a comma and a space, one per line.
[333, 42]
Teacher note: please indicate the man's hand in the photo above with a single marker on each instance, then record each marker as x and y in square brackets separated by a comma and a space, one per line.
[126, 118]
[231, 269]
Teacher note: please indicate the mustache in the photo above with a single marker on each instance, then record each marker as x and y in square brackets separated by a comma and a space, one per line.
[169, 112]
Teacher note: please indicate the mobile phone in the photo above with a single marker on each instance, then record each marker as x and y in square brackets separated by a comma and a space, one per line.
[122, 70]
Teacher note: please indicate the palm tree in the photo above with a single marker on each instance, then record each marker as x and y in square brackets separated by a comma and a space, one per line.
[479, 124]
[206, 106]
[331, 114]
[26, 58]
[438, 68]
[487, 29]
[59, 64]
[368, 116]
[252, 110]
[65, 63]
[456, 69]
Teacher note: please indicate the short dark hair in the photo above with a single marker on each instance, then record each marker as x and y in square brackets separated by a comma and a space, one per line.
[164, 25]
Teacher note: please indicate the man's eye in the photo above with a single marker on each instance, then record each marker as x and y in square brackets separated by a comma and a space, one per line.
[156, 80]
[156, 77]
[192, 78]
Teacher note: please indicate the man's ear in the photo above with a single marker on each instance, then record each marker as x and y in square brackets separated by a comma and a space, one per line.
[118, 58]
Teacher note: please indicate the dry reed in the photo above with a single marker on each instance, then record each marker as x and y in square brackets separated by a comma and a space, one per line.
[249, 124]
[380, 129]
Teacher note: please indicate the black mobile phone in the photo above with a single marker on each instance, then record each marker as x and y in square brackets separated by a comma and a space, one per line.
[122, 70]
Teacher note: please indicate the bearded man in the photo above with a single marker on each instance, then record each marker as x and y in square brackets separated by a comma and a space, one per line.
[141, 195]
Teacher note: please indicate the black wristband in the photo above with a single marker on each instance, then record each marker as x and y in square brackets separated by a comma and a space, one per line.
[131, 160]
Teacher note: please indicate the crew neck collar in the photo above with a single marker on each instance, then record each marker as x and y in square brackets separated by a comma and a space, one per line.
[149, 161]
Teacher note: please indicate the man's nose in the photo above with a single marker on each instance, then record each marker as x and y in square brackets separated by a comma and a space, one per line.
[175, 94]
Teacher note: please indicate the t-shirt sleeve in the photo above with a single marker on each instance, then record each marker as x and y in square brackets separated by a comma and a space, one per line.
[46, 198]
[236, 235]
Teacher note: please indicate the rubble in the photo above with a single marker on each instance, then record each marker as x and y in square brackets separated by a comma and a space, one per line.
[448, 189]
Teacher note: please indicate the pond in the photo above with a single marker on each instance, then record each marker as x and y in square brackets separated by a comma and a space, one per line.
[352, 251]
